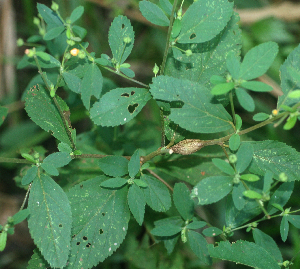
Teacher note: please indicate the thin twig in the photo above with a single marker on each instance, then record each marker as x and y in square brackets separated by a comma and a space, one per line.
[160, 179]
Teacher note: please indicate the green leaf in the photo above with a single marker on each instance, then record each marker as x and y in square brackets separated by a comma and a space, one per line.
[233, 64]
[156, 194]
[43, 55]
[41, 109]
[99, 223]
[261, 116]
[198, 245]
[196, 225]
[244, 157]
[199, 113]
[91, 84]
[37, 261]
[183, 202]
[76, 14]
[166, 6]
[224, 166]
[268, 243]
[212, 189]
[141, 183]
[238, 124]
[234, 142]
[268, 179]
[215, 79]
[120, 28]
[153, 13]
[168, 229]
[279, 207]
[275, 157]
[119, 106]
[30, 175]
[113, 183]
[258, 60]
[243, 252]
[290, 123]
[280, 196]
[200, 16]
[134, 164]
[3, 238]
[289, 74]
[176, 28]
[136, 203]
[20, 216]
[50, 220]
[72, 81]
[294, 94]
[295, 220]
[49, 16]
[63, 147]
[284, 228]
[212, 231]
[222, 88]
[55, 160]
[250, 177]
[127, 72]
[3, 114]
[245, 99]
[252, 194]
[256, 86]
[81, 32]
[114, 166]
[238, 198]
[54, 32]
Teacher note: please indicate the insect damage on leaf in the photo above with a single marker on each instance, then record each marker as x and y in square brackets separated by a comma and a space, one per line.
[187, 147]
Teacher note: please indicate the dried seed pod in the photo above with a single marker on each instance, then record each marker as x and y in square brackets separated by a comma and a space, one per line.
[187, 147]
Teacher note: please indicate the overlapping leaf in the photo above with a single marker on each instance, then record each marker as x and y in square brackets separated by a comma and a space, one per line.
[199, 113]
[50, 220]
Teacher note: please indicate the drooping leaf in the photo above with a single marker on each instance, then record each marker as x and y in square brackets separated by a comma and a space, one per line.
[245, 99]
[276, 157]
[284, 228]
[243, 252]
[134, 164]
[198, 245]
[233, 64]
[91, 84]
[120, 28]
[136, 203]
[156, 194]
[41, 109]
[198, 20]
[55, 160]
[20, 216]
[268, 243]
[199, 113]
[295, 220]
[183, 202]
[238, 198]
[258, 60]
[119, 106]
[212, 189]
[153, 13]
[100, 222]
[50, 220]
[76, 14]
[115, 166]
[289, 74]
[30, 175]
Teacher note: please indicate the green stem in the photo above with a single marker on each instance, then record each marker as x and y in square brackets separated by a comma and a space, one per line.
[162, 127]
[232, 107]
[26, 196]
[14, 160]
[168, 38]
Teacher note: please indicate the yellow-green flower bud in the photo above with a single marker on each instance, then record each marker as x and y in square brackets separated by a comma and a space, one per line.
[36, 21]
[188, 52]
[20, 42]
[155, 69]
[54, 6]
[127, 40]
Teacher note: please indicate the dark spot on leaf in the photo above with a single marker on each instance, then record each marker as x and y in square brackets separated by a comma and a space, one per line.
[78, 243]
[88, 245]
[132, 92]
[73, 236]
[192, 36]
[81, 186]
[103, 214]
[84, 238]
[131, 108]
[101, 231]
[125, 94]
[123, 26]
[60, 225]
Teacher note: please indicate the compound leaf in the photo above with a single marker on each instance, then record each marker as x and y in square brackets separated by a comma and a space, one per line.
[100, 222]
[243, 252]
[276, 157]
[153, 13]
[183, 201]
[119, 106]
[136, 203]
[204, 20]
[115, 166]
[120, 28]
[41, 109]
[199, 113]
[50, 220]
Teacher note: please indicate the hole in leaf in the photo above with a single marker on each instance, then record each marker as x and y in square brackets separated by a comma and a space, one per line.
[192, 36]
[81, 186]
[125, 94]
[131, 108]
[78, 243]
[88, 245]
[84, 238]
[73, 236]
[132, 93]
[60, 225]
[103, 214]
[101, 231]
[123, 26]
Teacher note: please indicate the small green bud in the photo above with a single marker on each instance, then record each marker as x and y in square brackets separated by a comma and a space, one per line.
[71, 42]
[52, 93]
[236, 179]
[130, 181]
[232, 158]
[20, 42]
[228, 78]
[30, 53]
[188, 53]
[36, 21]
[54, 6]
[127, 40]
[155, 69]
[254, 224]
[179, 14]
[68, 33]
[68, 21]
[36, 155]
[81, 54]
[283, 177]
[42, 31]
[183, 235]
